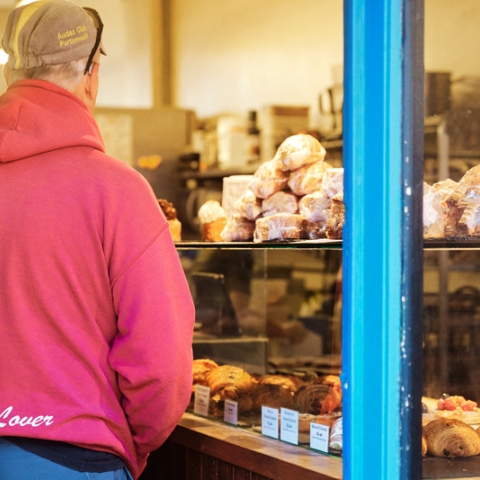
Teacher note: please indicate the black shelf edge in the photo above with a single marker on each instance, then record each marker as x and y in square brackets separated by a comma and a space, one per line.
[299, 244]
[428, 244]
[452, 244]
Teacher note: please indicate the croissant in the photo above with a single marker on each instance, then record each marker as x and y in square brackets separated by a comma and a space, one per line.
[424, 446]
[451, 438]
[228, 381]
[273, 396]
[200, 369]
[310, 397]
[290, 382]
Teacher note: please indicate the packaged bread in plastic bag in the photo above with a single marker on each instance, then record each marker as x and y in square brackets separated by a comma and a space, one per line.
[238, 229]
[281, 226]
[435, 207]
[268, 179]
[336, 218]
[248, 206]
[280, 202]
[308, 179]
[299, 150]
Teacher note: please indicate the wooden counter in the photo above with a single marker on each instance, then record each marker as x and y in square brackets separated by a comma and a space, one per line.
[201, 449]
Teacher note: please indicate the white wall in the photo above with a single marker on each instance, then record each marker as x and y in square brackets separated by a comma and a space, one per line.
[452, 36]
[236, 55]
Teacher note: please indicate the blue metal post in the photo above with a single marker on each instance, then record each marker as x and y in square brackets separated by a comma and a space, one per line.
[374, 198]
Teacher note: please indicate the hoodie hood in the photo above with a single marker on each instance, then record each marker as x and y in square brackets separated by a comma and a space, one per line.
[38, 117]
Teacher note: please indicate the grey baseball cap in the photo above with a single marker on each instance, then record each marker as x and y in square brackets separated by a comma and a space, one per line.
[51, 32]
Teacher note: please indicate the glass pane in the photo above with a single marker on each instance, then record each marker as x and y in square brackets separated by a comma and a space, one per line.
[451, 341]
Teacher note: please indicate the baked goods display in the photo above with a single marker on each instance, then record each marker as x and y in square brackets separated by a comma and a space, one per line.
[317, 400]
[296, 184]
[174, 223]
[212, 219]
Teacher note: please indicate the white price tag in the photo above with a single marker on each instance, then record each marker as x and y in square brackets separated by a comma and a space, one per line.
[319, 435]
[230, 412]
[289, 426]
[202, 400]
[270, 422]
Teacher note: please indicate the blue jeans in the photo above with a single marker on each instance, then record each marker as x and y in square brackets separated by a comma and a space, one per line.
[18, 464]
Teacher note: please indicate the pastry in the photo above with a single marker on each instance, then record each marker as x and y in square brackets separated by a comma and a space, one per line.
[299, 150]
[212, 220]
[434, 207]
[462, 211]
[451, 438]
[268, 179]
[310, 397]
[280, 202]
[281, 226]
[319, 396]
[336, 435]
[270, 395]
[305, 419]
[336, 218]
[291, 383]
[227, 382]
[315, 230]
[200, 368]
[315, 207]
[307, 179]
[170, 213]
[237, 229]
[248, 206]
[424, 446]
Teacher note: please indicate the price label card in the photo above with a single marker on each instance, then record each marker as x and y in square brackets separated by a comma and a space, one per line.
[270, 422]
[289, 426]
[319, 435]
[201, 400]
[230, 412]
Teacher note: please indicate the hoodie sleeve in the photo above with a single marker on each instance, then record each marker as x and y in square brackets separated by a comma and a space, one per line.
[152, 351]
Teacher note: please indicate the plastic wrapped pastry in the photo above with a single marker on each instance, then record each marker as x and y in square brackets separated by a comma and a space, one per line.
[462, 206]
[248, 206]
[308, 179]
[268, 179]
[315, 230]
[336, 435]
[213, 220]
[280, 202]
[434, 207]
[451, 438]
[336, 218]
[281, 226]
[332, 182]
[299, 150]
[238, 229]
[315, 207]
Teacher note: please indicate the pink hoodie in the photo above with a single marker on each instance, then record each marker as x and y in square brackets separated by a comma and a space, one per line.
[96, 317]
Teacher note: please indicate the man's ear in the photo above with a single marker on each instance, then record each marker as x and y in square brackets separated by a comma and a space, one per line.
[91, 86]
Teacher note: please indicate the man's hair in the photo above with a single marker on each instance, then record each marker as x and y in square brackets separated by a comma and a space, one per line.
[65, 75]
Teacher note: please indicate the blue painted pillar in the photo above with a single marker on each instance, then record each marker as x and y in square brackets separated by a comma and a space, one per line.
[377, 247]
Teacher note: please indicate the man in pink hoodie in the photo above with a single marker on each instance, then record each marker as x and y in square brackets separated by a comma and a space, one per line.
[96, 317]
